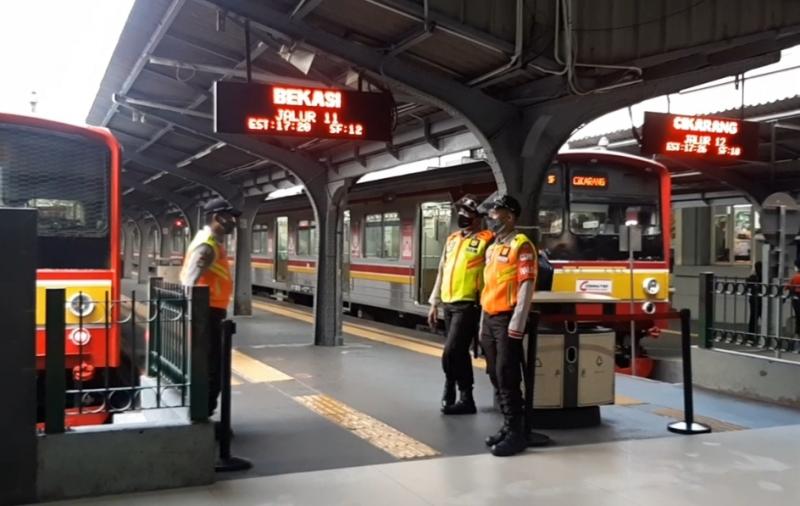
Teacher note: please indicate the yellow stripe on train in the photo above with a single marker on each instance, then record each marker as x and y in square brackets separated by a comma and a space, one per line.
[612, 281]
[94, 289]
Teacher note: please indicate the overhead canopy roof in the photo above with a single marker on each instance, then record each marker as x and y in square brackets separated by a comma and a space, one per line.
[171, 51]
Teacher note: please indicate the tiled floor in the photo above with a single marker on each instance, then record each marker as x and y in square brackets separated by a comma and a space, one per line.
[732, 468]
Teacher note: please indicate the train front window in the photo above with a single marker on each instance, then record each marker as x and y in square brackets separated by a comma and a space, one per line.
[602, 199]
[67, 179]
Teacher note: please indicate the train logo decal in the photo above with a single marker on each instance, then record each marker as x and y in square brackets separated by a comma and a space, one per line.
[594, 285]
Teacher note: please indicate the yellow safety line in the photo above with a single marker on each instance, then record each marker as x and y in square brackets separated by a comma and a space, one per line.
[399, 341]
[624, 400]
[254, 370]
[371, 430]
[716, 425]
[407, 343]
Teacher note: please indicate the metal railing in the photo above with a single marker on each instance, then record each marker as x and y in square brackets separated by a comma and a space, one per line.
[748, 316]
[93, 365]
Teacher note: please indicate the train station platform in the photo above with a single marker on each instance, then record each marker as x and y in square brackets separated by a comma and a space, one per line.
[375, 400]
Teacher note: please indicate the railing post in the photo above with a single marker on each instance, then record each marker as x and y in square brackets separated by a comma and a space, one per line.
[198, 346]
[706, 309]
[55, 381]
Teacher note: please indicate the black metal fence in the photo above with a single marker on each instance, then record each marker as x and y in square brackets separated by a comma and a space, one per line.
[95, 359]
[749, 316]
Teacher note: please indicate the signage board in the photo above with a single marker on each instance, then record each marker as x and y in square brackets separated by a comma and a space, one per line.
[297, 111]
[703, 137]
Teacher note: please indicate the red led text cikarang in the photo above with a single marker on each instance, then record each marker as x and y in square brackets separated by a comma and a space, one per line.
[705, 125]
[590, 181]
[703, 136]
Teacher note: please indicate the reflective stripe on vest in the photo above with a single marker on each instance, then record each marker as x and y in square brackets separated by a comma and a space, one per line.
[218, 275]
[500, 285]
[463, 264]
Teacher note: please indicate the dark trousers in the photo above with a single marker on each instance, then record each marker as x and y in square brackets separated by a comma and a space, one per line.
[796, 308]
[503, 361]
[215, 318]
[461, 322]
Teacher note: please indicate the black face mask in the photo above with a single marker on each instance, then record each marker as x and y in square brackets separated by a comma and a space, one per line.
[464, 221]
[228, 225]
[495, 225]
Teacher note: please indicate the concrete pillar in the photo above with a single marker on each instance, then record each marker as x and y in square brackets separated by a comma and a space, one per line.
[243, 272]
[127, 254]
[145, 248]
[329, 208]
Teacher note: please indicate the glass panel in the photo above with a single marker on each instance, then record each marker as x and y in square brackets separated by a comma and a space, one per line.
[372, 239]
[720, 234]
[391, 240]
[742, 232]
[302, 241]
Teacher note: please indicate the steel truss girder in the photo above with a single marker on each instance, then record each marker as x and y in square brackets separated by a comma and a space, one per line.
[484, 113]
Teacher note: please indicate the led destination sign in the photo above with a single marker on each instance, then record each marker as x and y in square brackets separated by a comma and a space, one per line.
[699, 136]
[590, 181]
[280, 110]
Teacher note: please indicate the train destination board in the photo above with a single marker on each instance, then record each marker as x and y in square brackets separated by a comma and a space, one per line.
[706, 137]
[297, 111]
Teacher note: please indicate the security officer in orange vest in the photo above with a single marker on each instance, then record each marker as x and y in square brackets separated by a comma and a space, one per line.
[458, 286]
[206, 263]
[508, 283]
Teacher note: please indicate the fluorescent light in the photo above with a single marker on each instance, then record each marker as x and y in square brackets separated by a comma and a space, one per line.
[285, 192]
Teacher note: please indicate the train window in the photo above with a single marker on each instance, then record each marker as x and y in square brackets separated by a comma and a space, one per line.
[551, 214]
[732, 233]
[306, 237]
[259, 239]
[382, 235]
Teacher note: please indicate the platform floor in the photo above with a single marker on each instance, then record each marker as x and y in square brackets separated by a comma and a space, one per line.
[732, 468]
[301, 408]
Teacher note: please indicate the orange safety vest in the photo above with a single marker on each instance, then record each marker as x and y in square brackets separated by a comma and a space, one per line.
[464, 258]
[218, 276]
[502, 274]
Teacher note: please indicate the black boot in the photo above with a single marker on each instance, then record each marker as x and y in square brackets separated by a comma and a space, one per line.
[464, 406]
[498, 436]
[515, 441]
[449, 394]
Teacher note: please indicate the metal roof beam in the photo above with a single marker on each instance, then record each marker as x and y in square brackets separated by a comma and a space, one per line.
[415, 11]
[258, 75]
[304, 8]
[155, 38]
[179, 201]
[307, 169]
[204, 46]
[217, 185]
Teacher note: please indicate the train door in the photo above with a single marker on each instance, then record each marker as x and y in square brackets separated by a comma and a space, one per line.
[346, 252]
[281, 248]
[433, 231]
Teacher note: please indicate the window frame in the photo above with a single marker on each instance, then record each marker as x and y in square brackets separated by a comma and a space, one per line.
[309, 228]
[382, 225]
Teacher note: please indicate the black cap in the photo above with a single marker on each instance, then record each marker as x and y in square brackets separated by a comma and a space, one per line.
[468, 202]
[220, 205]
[506, 202]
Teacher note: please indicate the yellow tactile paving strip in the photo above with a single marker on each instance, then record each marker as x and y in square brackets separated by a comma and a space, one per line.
[375, 432]
[716, 425]
[254, 370]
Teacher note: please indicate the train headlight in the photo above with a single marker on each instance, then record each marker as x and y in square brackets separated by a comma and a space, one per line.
[651, 286]
[648, 308]
[81, 305]
[80, 337]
